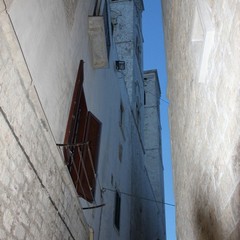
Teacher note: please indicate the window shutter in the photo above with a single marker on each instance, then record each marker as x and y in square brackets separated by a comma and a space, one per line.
[81, 142]
[74, 109]
[75, 127]
[77, 151]
[90, 156]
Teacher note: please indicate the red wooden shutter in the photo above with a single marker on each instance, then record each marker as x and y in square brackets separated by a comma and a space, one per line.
[76, 165]
[90, 156]
[75, 131]
[73, 114]
[81, 141]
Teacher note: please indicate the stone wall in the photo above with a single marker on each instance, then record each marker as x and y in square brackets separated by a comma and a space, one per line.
[204, 116]
[153, 146]
[38, 200]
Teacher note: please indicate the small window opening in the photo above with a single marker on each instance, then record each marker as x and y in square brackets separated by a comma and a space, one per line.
[120, 152]
[121, 120]
[117, 210]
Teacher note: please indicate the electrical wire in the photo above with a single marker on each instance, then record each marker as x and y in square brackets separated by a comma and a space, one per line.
[96, 206]
[138, 197]
[163, 100]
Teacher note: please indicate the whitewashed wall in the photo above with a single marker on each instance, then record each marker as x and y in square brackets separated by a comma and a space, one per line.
[42, 43]
[38, 200]
[54, 37]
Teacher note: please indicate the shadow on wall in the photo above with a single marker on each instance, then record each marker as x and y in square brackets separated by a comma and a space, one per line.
[236, 161]
[206, 225]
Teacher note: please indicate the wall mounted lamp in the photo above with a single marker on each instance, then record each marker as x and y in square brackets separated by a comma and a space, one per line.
[120, 65]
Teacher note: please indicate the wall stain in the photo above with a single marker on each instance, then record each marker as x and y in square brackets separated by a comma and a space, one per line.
[206, 225]
[70, 8]
[236, 160]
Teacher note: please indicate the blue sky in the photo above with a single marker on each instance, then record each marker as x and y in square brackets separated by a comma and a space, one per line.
[154, 58]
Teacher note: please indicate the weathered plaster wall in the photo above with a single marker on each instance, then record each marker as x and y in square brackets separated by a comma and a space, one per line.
[122, 17]
[153, 146]
[204, 120]
[126, 30]
[37, 198]
[146, 215]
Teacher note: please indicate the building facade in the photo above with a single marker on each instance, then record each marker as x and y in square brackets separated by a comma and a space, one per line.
[153, 147]
[203, 55]
[72, 125]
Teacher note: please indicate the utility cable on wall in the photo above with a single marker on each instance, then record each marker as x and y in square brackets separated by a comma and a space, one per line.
[161, 99]
[138, 197]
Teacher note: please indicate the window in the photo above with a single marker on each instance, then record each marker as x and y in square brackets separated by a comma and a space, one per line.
[138, 49]
[121, 120]
[81, 143]
[138, 115]
[117, 210]
[120, 152]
